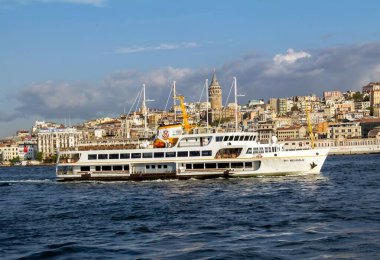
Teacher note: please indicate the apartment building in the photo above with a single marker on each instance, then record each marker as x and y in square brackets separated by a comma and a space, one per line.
[52, 140]
[344, 130]
[9, 151]
[291, 132]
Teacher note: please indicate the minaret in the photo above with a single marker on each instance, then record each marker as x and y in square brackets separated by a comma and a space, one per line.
[215, 94]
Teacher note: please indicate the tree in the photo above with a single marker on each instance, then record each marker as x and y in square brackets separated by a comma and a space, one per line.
[294, 108]
[357, 96]
[15, 160]
[370, 111]
[39, 156]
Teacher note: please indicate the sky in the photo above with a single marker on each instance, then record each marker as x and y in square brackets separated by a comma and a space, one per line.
[84, 59]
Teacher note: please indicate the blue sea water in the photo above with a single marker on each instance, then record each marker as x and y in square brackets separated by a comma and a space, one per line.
[334, 215]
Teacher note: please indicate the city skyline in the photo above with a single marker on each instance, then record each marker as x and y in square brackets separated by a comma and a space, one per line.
[88, 58]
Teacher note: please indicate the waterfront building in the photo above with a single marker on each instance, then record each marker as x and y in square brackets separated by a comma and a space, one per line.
[52, 140]
[9, 151]
[27, 150]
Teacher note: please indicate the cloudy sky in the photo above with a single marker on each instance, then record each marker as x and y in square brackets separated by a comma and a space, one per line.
[88, 58]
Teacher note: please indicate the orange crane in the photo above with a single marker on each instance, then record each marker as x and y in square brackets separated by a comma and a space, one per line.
[185, 117]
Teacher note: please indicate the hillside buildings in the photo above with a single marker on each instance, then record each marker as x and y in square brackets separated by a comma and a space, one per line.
[336, 117]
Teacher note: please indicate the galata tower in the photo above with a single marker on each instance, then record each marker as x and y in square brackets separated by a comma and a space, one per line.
[215, 94]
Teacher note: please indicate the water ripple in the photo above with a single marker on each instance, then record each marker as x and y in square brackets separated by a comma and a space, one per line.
[334, 215]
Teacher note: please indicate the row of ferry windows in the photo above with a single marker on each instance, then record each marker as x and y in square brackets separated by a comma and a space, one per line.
[235, 138]
[115, 156]
[106, 168]
[262, 150]
[219, 165]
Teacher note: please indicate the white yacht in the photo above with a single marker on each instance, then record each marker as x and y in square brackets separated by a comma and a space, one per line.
[175, 155]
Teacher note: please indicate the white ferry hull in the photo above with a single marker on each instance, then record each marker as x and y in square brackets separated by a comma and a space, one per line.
[218, 155]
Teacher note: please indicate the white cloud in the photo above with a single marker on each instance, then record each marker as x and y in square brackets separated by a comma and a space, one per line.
[160, 47]
[290, 57]
[335, 68]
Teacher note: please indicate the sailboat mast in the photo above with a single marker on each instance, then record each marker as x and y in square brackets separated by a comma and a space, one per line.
[206, 85]
[174, 102]
[236, 106]
[144, 108]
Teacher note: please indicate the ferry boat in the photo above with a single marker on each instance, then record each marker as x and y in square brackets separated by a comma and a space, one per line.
[175, 155]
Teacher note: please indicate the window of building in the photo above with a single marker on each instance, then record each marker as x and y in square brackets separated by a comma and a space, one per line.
[136, 155]
[159, 155]
[219, 138]
[147, 166]
[236, 138]
[106, 168]
[159, 166]
[225, 138]
[153, 166]
[85, 168]
[195, 153]
[241, 138]
[114, 156]
[92, 156]
[147, 155]
[118, 167]
[210, 165]
[198, 166]
[165, 166]
[237, 165]
[246, 138]
[170, 154]
[207, 153]
[102, 156]
[125, 156]
[248, 164]
[188, 166]
[97, 168]
[231, 138]
[183, 154]
[223, 165]
[126, 167]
